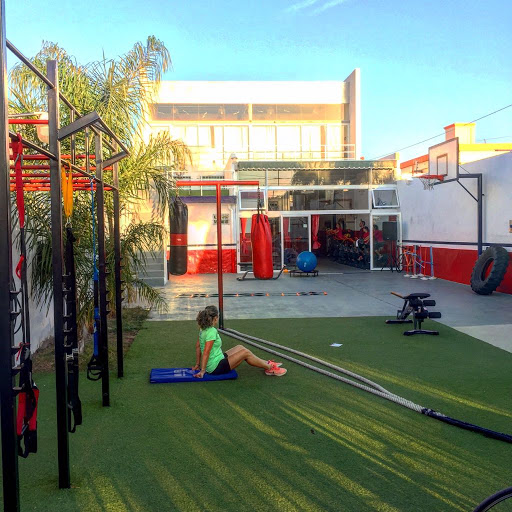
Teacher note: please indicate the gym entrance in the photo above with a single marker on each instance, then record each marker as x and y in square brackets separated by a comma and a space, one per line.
[363, 240]
[290, 236]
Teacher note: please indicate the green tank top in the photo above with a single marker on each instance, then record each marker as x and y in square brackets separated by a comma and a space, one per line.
[216, 354]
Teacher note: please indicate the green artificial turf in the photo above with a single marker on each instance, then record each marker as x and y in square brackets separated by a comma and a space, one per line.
[300, 442]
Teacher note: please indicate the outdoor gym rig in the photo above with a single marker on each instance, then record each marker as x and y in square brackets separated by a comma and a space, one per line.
[108, 151]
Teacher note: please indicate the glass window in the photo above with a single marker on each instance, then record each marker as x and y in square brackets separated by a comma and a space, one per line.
[163, 111]
[311, 142]
[304, 200]
[263, 142]
[204, 136]
[214, 112]
[264, 112]
[280, 177]
[313, 112]
[333, 149]
[237, 112]
[236, 140]
[218, 137]
[249, 199]
[385, 198]
[252, 175]
[186, 112]
[190, 138]
[383, 176]
[333, 112]
[344, 176]
[305, 177]
[279, 200]
[288, 112]
[288, 142]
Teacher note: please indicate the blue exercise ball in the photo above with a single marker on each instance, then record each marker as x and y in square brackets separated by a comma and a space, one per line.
[306, 261]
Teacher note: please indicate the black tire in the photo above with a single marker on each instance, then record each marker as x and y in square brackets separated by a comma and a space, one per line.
[498, 258]
[494, 500]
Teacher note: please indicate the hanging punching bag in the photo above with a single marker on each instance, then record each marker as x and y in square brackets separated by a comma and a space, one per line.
[261, 239]
[178, 220]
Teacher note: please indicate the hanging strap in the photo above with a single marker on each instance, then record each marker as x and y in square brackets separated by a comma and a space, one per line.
[67, 193]
[26, 421]
[95, 366]
[17, 149]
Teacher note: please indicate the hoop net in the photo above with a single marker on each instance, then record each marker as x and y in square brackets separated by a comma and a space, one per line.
[429, 180]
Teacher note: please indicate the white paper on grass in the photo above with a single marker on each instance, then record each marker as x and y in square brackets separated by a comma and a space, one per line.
[336, 344]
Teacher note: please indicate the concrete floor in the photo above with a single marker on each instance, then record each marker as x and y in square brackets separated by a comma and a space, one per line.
[349, 292]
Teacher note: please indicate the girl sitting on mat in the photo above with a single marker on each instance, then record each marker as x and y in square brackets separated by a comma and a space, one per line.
[210, 358]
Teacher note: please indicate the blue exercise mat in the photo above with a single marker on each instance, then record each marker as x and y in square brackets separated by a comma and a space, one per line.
[162, 375]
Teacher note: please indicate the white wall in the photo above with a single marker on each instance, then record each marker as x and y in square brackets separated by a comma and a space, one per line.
[202, 230]
[353, 82]
[283, 92]
[448, 213]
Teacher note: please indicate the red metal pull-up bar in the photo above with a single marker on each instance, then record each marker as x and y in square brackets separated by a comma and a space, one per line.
[218, 184]
[28, 121]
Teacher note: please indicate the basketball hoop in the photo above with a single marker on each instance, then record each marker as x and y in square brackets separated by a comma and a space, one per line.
[429, 180]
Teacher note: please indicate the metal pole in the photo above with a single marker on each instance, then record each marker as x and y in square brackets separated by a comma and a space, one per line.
[100, 205]
[11, 491]
[219, 257]
[117, 271]
[58, 282]
[480, 213]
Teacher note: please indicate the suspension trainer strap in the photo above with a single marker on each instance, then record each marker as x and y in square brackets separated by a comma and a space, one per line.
[95, 366]
[26, 420]
[74, 403]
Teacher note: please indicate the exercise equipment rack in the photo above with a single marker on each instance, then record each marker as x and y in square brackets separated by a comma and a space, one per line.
[108, 151]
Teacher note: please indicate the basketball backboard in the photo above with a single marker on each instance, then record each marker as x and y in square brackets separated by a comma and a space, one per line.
[443, 159]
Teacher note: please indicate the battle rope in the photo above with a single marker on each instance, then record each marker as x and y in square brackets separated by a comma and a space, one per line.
[28, 394]
[375, 389]
[95, 367]
[71, 333]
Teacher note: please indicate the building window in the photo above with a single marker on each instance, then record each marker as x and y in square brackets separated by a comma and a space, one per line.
[224, 218]
[249, 199]
[200, 112]
[385, 198]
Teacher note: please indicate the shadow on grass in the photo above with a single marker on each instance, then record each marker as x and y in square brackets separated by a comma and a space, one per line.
[301, 442]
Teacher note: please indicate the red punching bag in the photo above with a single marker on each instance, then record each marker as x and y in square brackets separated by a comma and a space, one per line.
[178, 221]
[261, 240]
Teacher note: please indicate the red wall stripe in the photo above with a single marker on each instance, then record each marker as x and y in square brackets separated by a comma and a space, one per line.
[457, 265]
[205, 261]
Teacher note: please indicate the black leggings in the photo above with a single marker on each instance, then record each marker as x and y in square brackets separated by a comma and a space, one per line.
[222, 367]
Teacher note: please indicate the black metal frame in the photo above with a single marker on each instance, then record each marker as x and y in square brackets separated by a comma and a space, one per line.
[479, 202]
[7, 397]
[7, 294]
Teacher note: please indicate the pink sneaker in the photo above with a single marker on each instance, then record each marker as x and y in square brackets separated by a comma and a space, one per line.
[273, 362]
[275, 370]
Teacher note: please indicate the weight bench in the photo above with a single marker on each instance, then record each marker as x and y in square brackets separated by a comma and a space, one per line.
[415, 304]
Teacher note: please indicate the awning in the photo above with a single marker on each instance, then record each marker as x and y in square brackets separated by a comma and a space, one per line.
[290, 165]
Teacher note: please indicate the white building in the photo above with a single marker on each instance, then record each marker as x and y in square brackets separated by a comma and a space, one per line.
[300, 140]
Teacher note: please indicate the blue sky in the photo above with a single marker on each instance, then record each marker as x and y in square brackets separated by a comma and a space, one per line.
[424, 64]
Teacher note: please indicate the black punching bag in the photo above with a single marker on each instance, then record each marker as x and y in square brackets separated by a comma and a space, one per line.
[178, 220]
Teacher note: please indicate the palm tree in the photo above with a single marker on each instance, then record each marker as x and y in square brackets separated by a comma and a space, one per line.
[121, 90]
